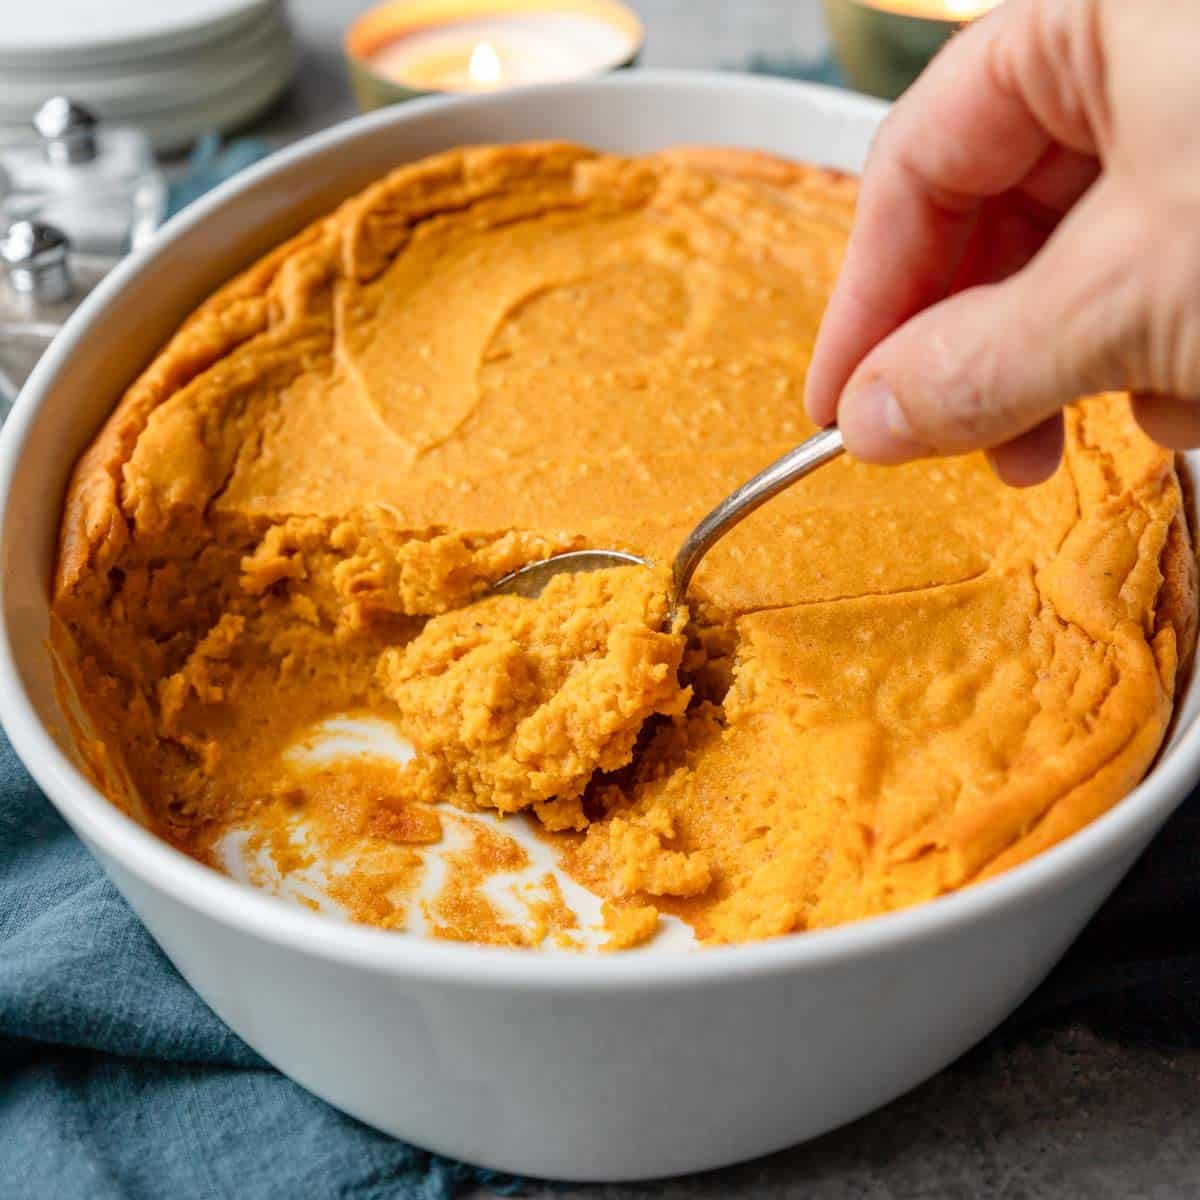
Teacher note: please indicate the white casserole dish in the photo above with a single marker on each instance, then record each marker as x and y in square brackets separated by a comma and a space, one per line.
[581, 1068]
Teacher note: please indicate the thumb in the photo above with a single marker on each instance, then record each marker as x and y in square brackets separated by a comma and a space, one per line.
[997, 363]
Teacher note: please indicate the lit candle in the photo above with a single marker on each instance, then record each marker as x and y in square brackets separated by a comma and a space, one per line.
[883, 45]
[937, 10]
[413, 47]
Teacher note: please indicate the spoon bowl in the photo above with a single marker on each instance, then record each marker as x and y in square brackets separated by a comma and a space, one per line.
[529, 580]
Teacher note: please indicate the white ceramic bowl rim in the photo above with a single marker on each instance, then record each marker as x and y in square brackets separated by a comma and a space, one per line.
[277, 921]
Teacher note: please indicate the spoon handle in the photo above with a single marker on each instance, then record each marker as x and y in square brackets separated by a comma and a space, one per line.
[782, 473]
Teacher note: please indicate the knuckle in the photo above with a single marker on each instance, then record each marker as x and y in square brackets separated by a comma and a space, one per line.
[973, 405]
[958, 406]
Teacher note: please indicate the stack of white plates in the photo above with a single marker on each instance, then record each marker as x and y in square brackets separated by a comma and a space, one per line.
[173, 68]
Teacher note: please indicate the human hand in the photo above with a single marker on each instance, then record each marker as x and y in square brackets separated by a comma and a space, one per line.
[1028, 231]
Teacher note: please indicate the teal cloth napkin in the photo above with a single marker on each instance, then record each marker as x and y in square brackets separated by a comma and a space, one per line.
[213, 161]
[118, 1081]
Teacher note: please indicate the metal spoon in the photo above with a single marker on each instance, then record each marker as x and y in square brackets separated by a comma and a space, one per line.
[821, 448]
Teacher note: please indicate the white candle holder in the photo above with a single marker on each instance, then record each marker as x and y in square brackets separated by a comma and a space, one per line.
[408, 48]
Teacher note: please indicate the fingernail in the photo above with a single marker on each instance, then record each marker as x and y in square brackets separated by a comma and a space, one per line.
[875, 427]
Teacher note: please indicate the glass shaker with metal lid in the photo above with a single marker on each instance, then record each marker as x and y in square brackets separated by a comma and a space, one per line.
[96, 184]
[42, 283]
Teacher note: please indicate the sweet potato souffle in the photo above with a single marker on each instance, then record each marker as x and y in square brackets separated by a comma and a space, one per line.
[889, 683]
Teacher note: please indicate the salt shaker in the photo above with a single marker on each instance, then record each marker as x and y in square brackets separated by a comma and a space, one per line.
[43, 281]
[98, 185]
[35, 261]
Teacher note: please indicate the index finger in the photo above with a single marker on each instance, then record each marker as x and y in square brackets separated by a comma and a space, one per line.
[973, 126]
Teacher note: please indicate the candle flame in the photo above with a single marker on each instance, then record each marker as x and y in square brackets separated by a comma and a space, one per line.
[940, 10]
[484, 65]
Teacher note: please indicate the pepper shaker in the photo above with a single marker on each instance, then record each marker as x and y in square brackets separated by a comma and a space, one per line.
[68, 132]
[43, 280]
[36, 264]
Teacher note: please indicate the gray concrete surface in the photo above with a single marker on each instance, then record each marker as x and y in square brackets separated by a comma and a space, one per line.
[1066, 1114]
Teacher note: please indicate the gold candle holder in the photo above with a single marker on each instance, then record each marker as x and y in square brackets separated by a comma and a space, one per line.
[883, 45]
[407, 48]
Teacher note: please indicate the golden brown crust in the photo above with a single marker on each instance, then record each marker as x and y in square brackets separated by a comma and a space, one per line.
[92, 523]
[93, 526]
[1179, 600]
[836, 187]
